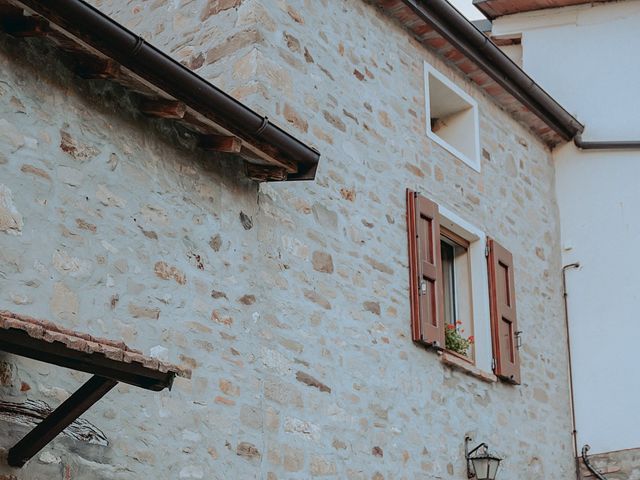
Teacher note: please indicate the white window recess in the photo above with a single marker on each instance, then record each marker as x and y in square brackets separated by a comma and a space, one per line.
[452, 117]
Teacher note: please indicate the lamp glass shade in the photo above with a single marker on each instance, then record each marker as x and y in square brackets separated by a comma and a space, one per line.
[494, 463]
[480, 468]
[485, 467]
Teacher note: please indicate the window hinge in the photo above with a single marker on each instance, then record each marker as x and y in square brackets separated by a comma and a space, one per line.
[519, 339]
[493, 364]
[486, 249]
[423, 287]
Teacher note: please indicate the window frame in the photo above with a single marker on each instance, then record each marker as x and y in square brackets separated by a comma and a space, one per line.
[484, 364]
[473, 161]
[480, 308]
[457, 241]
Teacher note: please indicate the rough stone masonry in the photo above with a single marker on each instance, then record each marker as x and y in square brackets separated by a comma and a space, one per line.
[289, 301]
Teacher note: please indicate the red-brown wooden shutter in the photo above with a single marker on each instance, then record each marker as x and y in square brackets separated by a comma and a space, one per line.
[504, 322]
[425, 269]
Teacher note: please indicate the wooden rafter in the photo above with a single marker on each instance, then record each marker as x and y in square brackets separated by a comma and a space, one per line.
[220, 143]
[162, 108]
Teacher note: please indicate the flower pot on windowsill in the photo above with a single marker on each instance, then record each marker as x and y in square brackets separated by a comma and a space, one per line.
[455, 342]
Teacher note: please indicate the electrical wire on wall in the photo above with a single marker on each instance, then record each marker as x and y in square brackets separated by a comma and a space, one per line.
[587, 462]
[574, 432]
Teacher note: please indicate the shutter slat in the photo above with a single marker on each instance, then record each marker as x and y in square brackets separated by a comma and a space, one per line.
[425, 270]
[504, 321]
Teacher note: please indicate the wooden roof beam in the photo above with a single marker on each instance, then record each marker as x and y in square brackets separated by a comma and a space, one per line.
[220, 143]
[163, 108]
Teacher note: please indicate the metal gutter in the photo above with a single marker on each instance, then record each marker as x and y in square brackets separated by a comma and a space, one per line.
[606, 144]
[131, 51]
[470, 41]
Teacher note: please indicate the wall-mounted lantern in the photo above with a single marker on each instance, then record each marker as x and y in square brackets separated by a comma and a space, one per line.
[481, 465]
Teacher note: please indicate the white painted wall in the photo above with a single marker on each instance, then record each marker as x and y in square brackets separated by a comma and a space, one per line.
[599, 198]
[514, 52]
[587, 58]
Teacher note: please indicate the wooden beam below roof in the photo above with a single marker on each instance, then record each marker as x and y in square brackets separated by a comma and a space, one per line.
[94, 68]
[265, 173]
[220, 143]
[163, 108]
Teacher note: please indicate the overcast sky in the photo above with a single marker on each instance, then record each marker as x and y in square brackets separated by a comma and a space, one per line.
[466, 7]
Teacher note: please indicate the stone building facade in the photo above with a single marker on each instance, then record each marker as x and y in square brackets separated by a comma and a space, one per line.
[289, 301]
[595, 184]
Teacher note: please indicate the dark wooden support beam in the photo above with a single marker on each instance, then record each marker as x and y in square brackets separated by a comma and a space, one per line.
[163, 108]
[63, 416]
[92, 68]
[21, 26]
[265, 173]
[220, 143]
[250, 149]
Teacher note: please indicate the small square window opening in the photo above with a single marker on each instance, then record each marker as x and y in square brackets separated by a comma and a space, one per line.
[452, 117]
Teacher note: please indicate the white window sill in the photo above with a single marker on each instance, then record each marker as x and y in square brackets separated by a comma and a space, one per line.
[474, 163]
[458, 363]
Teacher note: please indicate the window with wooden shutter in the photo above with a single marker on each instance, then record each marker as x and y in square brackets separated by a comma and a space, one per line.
[425, 270]
[504, 323]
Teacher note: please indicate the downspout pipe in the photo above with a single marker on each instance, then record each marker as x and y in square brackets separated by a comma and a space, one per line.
[606, 145]
[476, 46]
[131, 51]
[574, 432]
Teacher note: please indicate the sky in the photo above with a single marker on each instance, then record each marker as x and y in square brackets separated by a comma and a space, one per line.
[466, 7]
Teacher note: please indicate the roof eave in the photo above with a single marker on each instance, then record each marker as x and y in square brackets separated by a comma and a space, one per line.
[267, 149]
[498, 8]
[449, 24]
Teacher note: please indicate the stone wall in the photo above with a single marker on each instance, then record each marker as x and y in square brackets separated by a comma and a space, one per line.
[216, 38]
[289, 301]
[620, 465]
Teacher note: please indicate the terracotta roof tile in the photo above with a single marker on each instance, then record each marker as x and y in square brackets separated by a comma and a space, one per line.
[82, 342]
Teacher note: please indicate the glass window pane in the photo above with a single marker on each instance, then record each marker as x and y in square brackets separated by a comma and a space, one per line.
[447, 253]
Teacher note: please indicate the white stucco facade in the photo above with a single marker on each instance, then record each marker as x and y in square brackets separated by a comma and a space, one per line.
[586, 57]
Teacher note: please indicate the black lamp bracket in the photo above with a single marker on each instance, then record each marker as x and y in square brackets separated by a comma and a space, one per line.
[468, 453]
